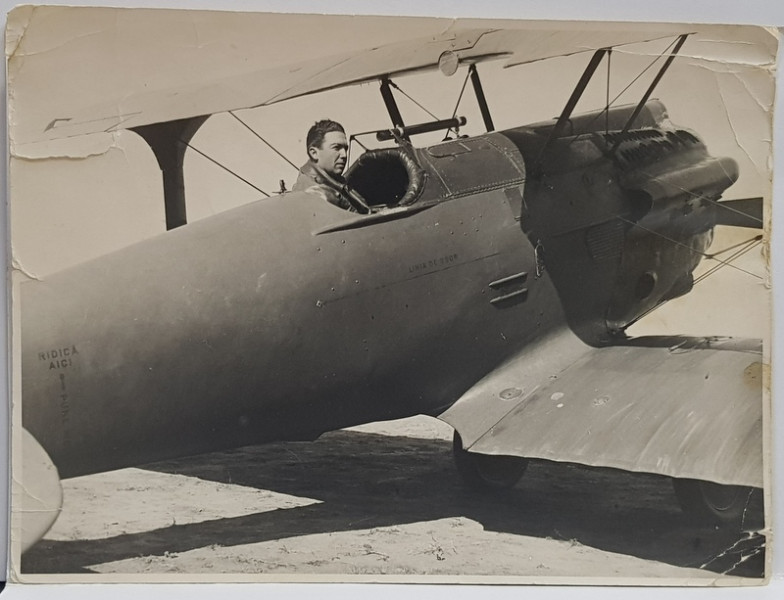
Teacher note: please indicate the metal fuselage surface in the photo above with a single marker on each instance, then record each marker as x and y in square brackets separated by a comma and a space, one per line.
[251, 326]
[289, 317]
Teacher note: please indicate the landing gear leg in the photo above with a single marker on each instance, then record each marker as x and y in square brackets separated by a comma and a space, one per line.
[715, 503]
[485, 471]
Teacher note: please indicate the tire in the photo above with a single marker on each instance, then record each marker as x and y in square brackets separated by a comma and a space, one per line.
[486, 471]
[714, 503]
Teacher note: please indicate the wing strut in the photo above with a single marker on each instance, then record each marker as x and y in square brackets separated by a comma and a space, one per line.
[168, 141]
[557, 130]
[649, 91]
[480, 98]
[389, 101]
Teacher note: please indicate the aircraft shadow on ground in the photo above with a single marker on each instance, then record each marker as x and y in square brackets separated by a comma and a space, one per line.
[368, 480]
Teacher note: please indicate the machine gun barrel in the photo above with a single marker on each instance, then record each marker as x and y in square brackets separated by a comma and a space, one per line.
[404, 132]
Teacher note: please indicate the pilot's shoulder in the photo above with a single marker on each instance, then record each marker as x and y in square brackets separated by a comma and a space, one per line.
[317, 190]
[305, 179]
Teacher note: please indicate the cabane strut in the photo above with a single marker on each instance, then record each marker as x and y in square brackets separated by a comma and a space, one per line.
[168, 141]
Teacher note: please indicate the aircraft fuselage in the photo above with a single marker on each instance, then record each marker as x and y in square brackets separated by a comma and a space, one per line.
[289, 317]
[257, 325]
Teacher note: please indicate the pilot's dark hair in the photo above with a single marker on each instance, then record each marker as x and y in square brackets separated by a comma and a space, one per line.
[319, 130]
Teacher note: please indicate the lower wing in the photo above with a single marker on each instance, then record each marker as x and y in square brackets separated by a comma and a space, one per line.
[676, 406]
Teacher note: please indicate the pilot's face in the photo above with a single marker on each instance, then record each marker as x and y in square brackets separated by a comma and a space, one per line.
[331, 157]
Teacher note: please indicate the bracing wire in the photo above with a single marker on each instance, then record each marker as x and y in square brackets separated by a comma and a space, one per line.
[641, 73]
[704, 254]
[258, 135]
[397, 87]
[459, 99]
[460, 95]
[607, 95]
[606, 109]
[749, 245]
[756, 238]
[238, 176]
[224, 167]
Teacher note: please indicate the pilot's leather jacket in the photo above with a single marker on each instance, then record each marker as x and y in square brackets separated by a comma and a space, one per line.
[313, 180]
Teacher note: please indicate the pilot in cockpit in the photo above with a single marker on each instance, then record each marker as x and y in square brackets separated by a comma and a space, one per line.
[323, 173]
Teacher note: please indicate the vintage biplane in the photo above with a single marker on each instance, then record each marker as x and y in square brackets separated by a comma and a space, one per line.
[486, 280]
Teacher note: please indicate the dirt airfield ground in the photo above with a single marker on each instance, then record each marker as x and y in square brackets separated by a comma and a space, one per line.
[382, 499]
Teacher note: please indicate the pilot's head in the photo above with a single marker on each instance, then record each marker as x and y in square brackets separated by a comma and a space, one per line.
[327, 146]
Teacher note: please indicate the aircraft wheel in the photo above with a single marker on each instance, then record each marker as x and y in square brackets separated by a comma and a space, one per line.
[485, 471]
[713, 502]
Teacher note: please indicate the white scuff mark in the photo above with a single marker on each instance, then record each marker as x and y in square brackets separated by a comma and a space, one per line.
[200, 43]
[28, 495]
[60, 46]
[16, 31]
[737, 72]
[33, 511]
[764, 60]
[557, 396]
[117, 146]
[16, 265]
[260, 281]
[732, 126]
[447, 30]
[195, 30]
[18, 22]
[74, 147]
[720, 41]
[732, 548]
[765, 107]
[715, 60]
[724, 104]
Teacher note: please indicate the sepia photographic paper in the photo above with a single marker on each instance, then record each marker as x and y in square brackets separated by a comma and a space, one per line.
[388, 299]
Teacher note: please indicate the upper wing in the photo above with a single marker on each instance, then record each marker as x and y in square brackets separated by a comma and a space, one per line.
[682, 407]
[106, 69]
